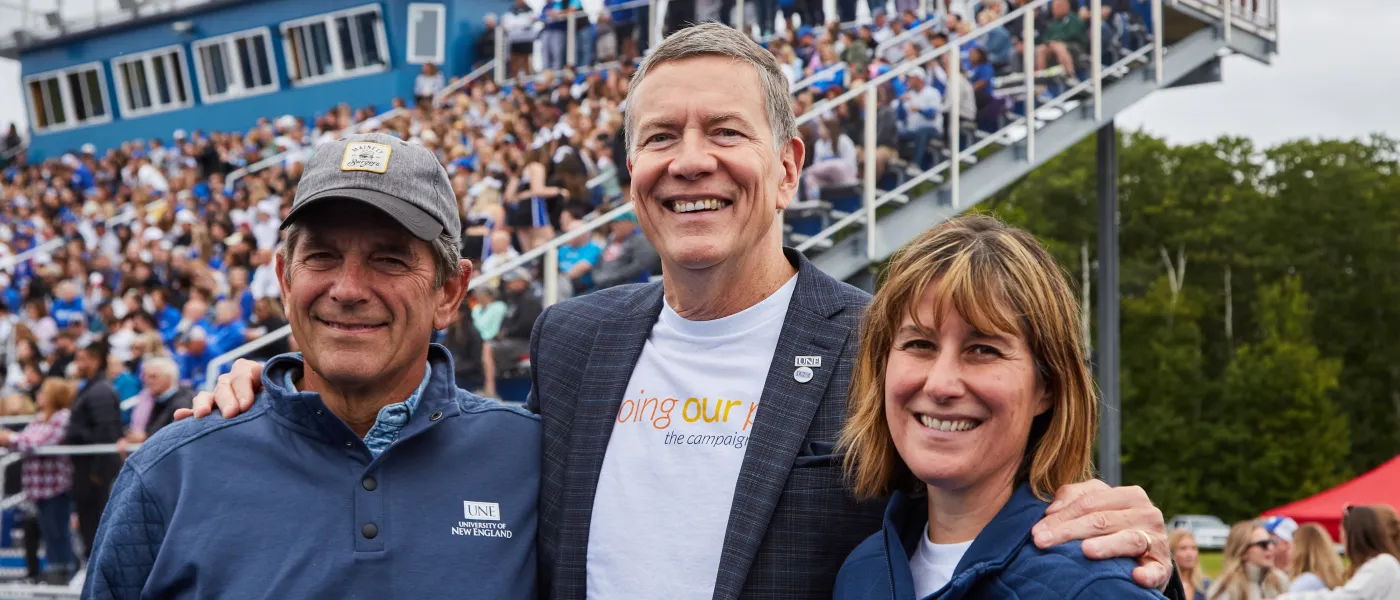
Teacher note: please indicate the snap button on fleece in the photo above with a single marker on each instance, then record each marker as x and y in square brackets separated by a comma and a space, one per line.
[370, 531]
[435, 416]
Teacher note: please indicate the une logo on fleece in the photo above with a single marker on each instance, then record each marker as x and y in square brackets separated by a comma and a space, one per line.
[481, 511]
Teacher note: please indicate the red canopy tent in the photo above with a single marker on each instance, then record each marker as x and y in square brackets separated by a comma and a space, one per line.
[1379, 486]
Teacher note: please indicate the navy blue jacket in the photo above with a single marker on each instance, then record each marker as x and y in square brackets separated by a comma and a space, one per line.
[1003, 562]
[285, 501]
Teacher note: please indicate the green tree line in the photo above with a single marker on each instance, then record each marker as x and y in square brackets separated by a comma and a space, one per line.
[1260, 309]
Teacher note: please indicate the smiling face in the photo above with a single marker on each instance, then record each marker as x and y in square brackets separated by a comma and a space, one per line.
[1260, 551]
[959, 402]
[706, 179]
[360, 298]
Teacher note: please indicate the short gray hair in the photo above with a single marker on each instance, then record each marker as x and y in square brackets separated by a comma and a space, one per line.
[161, 364]
[714, 39]
[447, 254]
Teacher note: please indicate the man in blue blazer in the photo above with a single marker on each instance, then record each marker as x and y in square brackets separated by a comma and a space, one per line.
[688, 425]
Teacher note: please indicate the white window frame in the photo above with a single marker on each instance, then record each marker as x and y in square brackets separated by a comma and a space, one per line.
[66, 95]
[338, 70]
[440, 54]
[146, 59]
[233, 71]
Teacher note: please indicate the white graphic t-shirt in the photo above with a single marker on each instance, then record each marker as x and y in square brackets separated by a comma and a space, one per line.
[933, 565]
[668, 478]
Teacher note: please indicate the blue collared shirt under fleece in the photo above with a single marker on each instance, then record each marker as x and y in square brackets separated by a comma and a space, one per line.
[285, 501]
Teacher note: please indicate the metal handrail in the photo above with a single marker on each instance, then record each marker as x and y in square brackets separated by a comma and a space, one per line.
[49, 246]
[462, 82]
[817, 76]
[869, 89]
[909, 34]
[13, 152]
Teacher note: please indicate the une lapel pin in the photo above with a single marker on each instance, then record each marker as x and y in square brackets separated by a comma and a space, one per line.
[814, 362]
[802, 374]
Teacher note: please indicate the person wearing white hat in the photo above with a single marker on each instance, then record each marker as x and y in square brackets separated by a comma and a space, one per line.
[1282, 528]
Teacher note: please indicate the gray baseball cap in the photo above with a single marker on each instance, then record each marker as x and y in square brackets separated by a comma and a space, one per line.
[403, 180]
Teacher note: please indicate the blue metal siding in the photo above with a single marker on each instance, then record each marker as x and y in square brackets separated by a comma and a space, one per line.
[240, 114]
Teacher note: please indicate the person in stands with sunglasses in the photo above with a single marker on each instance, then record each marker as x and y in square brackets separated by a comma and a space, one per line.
[1247, 568]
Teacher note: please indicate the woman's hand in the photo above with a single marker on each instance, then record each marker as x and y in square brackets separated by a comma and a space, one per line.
[1114, 522]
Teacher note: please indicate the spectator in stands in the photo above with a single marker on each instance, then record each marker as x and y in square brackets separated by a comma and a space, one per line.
[921, 105]
[997, 41]
[556, 26]
[268, 317]
[41, 325]
[96, 419]
[49, 479]
[1187, 557]
[628, 257]
[1066, 36]
[484, 50]
[502, 252]
[65, 350]
[370, 407]
[576, 262]
[428, 84]
[126, 383]
[527, 194]
[1247, 567]
[834, 163]
[1315, 566]
[464, 342]
[605, 40]
[26, 514]
[161, 395]
[523, 308]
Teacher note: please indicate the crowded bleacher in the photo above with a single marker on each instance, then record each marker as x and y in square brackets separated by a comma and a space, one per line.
[142, 264]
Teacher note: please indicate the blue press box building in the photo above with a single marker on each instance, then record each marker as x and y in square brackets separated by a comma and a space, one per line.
[223, 64]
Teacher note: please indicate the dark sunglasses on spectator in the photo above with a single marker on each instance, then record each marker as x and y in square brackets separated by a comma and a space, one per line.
[1263, 544]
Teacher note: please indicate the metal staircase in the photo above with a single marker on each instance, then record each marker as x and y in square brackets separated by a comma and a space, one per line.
[1197, 34]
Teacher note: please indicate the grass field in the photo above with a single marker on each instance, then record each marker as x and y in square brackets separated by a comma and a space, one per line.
[1210, 564]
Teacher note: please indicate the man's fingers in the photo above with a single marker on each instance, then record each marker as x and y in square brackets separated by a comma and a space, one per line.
[246, 375]
[202, 405]
[1068, 495]
[1153, 576]
[1057, 529]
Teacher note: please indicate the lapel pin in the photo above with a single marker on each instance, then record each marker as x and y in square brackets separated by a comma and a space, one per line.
[802, 374]
[814, 362]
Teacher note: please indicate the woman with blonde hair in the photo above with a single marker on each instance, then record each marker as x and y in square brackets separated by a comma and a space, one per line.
[1374, 572]
[1187, 557]
[48, 479]
[971, 402]
[1316, 565]
[1246, 571]
[1390, 521]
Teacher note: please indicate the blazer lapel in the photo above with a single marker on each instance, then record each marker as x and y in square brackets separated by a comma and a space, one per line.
[615, 352]
[784, 415]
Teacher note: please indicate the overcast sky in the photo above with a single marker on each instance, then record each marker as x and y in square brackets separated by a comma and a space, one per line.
[1335, 76]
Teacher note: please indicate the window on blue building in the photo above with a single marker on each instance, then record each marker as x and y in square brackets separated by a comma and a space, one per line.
[335, 45]
[152, 82]
[235, 65]
[427, 33]
[67, 98]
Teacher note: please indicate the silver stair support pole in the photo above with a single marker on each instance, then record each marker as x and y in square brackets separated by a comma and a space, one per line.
[1110, 424]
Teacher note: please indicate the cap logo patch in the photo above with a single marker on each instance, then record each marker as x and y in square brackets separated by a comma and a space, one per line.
[366, 156]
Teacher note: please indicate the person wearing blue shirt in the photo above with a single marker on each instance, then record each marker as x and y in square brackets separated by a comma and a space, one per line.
[556, 29]
[361, 463]
[67, 306]
[969, 408]
[577, 259]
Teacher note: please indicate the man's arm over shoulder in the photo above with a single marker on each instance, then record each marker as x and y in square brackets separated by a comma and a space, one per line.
[532, 402]
[132, 531]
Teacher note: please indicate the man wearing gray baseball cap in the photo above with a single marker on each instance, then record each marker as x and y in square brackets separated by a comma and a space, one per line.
[350, 467]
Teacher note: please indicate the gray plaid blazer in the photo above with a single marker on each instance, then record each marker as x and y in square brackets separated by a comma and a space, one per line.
[792, 523]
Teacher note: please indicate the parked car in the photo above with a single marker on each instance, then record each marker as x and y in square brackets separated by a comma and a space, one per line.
[1210, 532]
